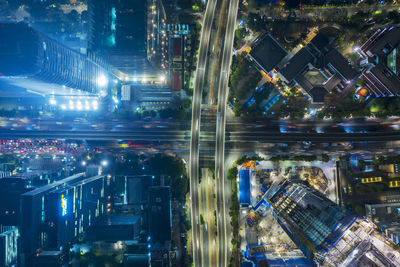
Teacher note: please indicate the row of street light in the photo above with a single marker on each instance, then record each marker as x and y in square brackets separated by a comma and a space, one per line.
[161, 78]
[76, 105]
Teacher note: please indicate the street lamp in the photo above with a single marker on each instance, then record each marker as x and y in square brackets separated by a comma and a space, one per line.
[104, 163]
[102, 80]
[78, 105]
[95, 104]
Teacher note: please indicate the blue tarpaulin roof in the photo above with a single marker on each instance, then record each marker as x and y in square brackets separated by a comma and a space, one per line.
[244, 187]
[298, 262]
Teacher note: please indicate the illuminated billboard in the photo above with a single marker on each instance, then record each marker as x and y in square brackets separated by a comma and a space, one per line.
[63, 206]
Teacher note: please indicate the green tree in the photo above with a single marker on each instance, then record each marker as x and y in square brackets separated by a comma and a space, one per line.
[186, 103]
[325, 158]
[232, 173]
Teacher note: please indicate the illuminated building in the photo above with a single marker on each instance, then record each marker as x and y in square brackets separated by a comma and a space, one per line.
[317, 68]
[381, 54]
[44, 65]
[56, 214]
[8, 245]
[326, 234]
[118, 33]
[117, 26]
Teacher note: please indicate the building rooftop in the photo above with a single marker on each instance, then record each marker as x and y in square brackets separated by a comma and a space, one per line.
[121, 220]
[50, 253]
[386, 77]
[159, 214]
[383, 212]
[296, 64]
[137, 260]
[383, 69]
[306, 68]
[385, 43]
[54, 185]
[244, 187]
[341, 65]
[268, 53]
[318, 94]
[319, 42]
[71, 184]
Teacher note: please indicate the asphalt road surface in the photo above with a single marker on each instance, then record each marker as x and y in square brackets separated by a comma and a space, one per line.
[195, 131]
[222, 204]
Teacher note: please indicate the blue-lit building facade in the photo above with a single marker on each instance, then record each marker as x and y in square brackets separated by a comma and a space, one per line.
[8, 245]
[118, 26]
[54, 215]
[30, 54]
[118, 32]
[326, 234]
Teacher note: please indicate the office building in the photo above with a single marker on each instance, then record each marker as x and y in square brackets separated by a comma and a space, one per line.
[11, 189]
[381, 54]
[118, 26]
[31, 60]
[157, 35]
[8, 246]
[54, 215]
[118, 32]
[326, 234]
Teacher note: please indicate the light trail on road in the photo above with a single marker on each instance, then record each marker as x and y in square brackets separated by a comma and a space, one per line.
[195, 131]
[220, 133]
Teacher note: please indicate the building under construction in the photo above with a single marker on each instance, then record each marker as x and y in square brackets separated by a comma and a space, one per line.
[325, 233]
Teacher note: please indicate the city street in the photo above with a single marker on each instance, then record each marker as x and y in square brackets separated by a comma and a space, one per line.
[222, 185]
[195, 132]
